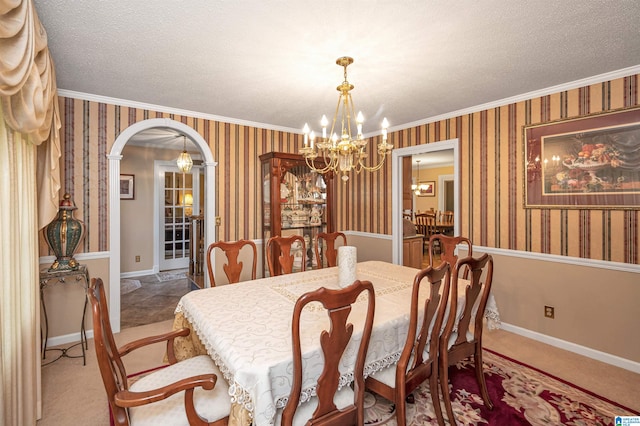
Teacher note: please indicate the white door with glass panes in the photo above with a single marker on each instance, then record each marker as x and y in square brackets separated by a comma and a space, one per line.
[178, 201]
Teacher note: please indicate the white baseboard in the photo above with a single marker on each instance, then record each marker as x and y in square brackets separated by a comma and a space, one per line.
[137, 273]
[617, 361]
[67, 338]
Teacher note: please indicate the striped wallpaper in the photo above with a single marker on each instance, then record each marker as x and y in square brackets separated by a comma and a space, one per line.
[491, 180]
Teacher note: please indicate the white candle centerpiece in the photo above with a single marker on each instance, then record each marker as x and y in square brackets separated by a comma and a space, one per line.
[347, 261]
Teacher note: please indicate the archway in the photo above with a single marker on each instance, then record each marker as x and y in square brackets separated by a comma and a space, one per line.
[114, 158]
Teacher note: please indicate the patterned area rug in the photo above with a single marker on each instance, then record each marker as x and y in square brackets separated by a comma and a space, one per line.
[171, 275]
[522, 395]
[127, 285]
[380, 411]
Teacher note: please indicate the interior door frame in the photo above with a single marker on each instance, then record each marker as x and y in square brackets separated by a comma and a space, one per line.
[114, 157]
[396, 188]
[160, 167]
[442, 193]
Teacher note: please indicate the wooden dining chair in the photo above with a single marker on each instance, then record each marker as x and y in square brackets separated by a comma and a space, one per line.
[232, 268]
[446, 217]
[330, 251]
[280, 258]
[421, 223]
[462, 335]
[445, 223]
[425, 225]
[446, 247]
[419, 358]
[189, 392]
[330, 406]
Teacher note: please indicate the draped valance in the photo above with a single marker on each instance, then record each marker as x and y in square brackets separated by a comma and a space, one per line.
[28, 93]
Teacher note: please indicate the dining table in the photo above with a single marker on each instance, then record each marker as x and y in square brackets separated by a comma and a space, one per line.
[444, 227]
[246, 329]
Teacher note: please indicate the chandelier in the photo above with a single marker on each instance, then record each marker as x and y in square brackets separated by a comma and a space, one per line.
[184, 159]
[342, 153]
[419, 187]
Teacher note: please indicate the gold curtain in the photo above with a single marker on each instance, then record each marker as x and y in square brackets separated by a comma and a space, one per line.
[30, 181]
[19, 294]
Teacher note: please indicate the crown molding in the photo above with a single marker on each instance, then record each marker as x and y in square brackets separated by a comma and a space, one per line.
[170, 110]
[625, 72]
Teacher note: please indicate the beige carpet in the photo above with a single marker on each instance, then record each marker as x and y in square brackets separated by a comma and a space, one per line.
[73, 394]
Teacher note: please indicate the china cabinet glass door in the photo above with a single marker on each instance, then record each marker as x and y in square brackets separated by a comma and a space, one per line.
[295, 201]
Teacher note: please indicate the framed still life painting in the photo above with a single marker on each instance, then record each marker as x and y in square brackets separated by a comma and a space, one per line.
[582, 163]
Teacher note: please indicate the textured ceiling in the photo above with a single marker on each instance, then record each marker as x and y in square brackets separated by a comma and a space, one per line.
[273, 63]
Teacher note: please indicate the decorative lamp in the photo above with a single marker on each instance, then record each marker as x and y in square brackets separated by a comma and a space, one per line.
[184, 160]
[345, 152]
[419, 187]
[63, 235]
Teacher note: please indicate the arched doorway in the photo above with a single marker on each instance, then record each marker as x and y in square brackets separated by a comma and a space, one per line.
[114, 158]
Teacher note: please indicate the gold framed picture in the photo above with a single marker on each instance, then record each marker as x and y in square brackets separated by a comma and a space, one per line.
[586, 162]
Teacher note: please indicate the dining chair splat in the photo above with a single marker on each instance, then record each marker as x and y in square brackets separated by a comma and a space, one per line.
[233, 268]
[331, 251]
[279, 249]
[447, 246]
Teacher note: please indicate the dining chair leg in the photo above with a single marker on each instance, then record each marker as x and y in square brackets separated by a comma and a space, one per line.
[444, 386]
[482, 384]
[401, 406]
[435, 397]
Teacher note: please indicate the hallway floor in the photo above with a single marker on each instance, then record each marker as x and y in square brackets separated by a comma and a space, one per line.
[151, 298]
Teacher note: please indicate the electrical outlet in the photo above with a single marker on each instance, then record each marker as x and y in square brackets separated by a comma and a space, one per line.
[549, 312]
[137, 258]
[218, 221]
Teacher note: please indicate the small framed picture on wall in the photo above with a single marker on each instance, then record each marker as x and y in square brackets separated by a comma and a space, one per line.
[127, 187]
[427, 189]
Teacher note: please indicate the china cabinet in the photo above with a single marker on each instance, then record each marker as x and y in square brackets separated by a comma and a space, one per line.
[295, 200]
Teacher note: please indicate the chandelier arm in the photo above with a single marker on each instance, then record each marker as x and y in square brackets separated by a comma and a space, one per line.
[313, 167]
[333, 159]
[335, 116]
[351, 114]
[373, 168]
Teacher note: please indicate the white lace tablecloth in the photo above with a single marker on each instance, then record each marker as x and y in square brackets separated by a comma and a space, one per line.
[246, 329]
